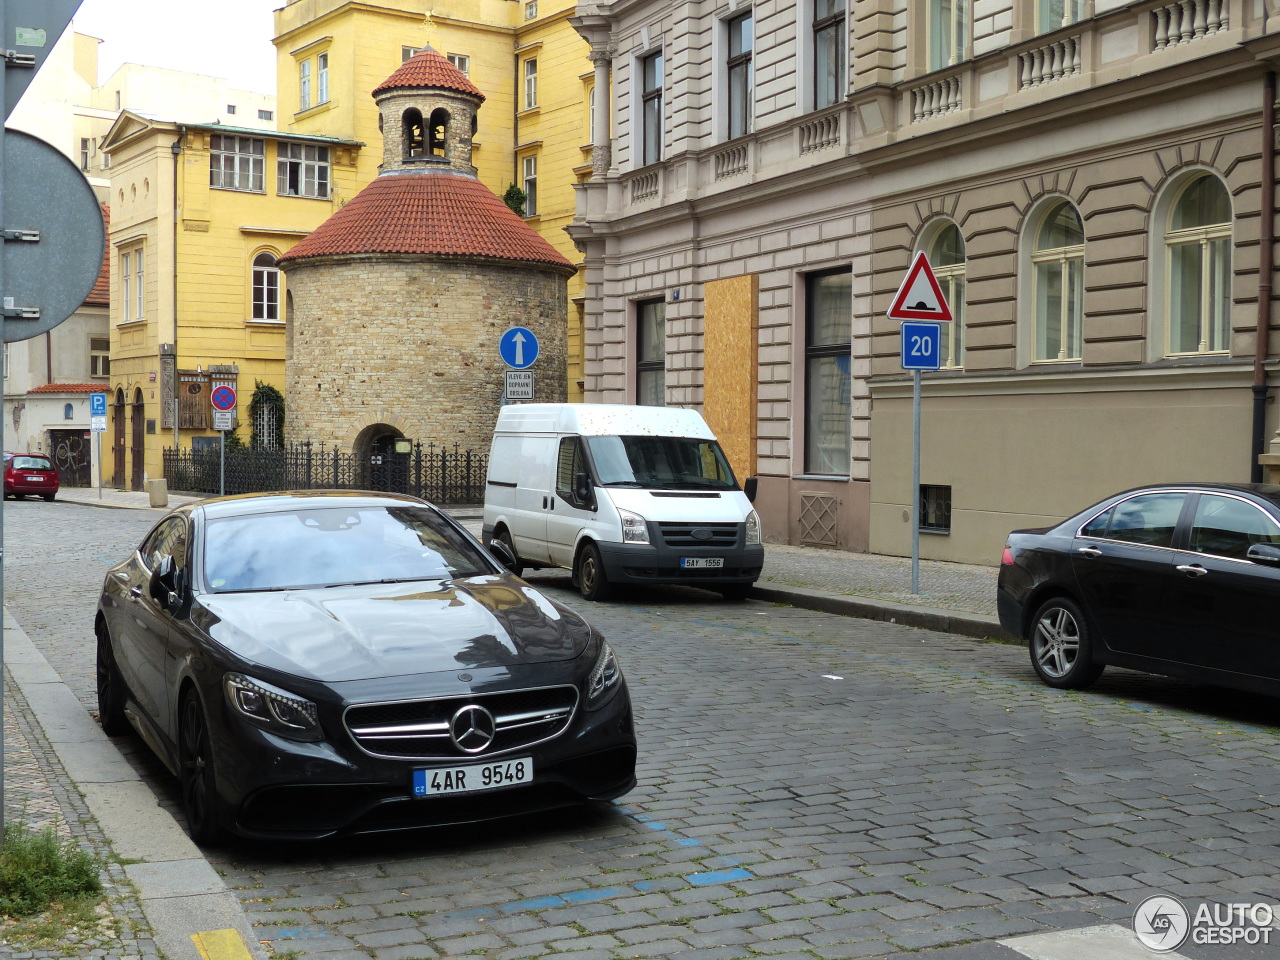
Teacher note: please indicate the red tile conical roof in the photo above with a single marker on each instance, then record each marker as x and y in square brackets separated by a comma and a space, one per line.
[426, 68]
[427, 212]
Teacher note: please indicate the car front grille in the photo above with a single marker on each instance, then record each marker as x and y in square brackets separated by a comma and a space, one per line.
[419, 729]
[720, 535]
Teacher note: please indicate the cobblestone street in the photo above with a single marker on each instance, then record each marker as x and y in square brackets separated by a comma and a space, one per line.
[810, 786]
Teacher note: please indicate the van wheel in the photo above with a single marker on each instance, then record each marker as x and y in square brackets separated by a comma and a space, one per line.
[734, 592]
[592, 581]
[505, 536]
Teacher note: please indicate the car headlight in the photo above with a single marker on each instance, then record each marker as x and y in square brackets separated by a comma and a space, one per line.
[604, 675]
[753, 527]
[634, 529]
[272, 708]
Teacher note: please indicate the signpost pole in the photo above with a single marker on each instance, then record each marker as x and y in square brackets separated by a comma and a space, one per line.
[222, 464]
[915, 482]
[97, 439]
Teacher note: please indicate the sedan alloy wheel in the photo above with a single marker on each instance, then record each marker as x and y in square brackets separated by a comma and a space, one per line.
[1061, 647]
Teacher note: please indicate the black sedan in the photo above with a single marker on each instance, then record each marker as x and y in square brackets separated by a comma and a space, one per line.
[1178, 579]
[318, 664]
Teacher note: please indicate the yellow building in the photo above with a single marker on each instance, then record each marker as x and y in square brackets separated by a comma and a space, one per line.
[199, 214]
[525, 57]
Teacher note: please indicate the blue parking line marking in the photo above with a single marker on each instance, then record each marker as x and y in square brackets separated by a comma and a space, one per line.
[293, 933]
[540, 903]
[718, 876]
[654, 825]
[689, 842]
[587, 896]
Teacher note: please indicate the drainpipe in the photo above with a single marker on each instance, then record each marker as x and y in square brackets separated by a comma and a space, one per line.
[1266, 243]
[176, 147]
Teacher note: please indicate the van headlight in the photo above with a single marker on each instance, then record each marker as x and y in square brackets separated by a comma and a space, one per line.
[753, 528]
[634, 529]
[271, 708]
[604, 675]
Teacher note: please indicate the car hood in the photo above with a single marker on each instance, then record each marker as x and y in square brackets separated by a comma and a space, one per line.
[365, 632]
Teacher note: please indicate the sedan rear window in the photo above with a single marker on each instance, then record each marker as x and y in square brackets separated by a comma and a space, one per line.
[1148, 518]
[333, 547]
[32, 463]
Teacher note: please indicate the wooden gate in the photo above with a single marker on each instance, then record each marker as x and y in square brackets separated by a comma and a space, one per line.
[71, 457]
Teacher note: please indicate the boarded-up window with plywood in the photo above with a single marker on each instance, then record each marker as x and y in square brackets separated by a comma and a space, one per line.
[193, 401]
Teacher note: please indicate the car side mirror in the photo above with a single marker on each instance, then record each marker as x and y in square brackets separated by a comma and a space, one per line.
[749, 487]
[502, 553]
[166, 585]
[582, 490]
[1268, 553]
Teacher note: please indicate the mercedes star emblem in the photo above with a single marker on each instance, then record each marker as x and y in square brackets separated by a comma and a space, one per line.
[472, 729]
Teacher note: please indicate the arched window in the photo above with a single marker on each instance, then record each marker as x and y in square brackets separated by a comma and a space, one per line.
[414, 134]
[1057, 261]
[946, 256]
[1198, 241]
[266, 288]
[68, 412]
[437, 132]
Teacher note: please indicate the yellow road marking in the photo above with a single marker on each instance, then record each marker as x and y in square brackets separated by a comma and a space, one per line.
[221, 945]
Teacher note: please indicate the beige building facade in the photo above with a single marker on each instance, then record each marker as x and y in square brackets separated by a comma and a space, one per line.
[1085, 177]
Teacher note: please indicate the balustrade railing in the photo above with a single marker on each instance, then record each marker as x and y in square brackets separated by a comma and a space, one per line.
[936, 98]
[819, 133]
[1188, 20]
[1051, 62]
[731, 162]
[644, 186]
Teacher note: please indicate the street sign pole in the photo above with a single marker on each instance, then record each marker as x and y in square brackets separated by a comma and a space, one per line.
[915, 482]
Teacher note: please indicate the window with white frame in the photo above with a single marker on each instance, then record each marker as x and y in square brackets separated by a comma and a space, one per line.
[1057, 279]
[531, 9]
[1198, 268]
[529, 168]
[99, 357]
[86, 152]
[530, 83]
[1054, 14]
[266, 288]
[651, 353]
[741, 42]
[266, 114]
[322, 78]
[236, 163]
[139, 284]
[462, 62]
[828, 366]
[126, 287]
[829, 41]
[304, 85]
[591, 114]
[302, 170]
[651, 108]
[407, 52]
[946, 256]
[947, 33]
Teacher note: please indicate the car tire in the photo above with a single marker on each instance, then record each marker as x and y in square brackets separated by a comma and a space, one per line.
[505, 536]
[113, 693]
[198, 775]
[735, 592]
[1060, 642]
[593, 583]
[48, 497]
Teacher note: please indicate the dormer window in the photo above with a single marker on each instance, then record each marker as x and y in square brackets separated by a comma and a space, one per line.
[414, 133]
[438, 131]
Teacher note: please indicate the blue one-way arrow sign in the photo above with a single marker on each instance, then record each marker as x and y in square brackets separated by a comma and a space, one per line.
[518, 348]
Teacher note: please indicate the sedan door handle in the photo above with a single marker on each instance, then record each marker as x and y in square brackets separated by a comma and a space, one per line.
[1090, 551]
[135, 593]
[1191, 569]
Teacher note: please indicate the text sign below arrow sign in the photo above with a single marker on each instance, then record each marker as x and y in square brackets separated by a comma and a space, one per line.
[518, 348]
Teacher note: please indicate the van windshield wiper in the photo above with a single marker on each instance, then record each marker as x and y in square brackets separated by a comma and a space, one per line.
[623, 483]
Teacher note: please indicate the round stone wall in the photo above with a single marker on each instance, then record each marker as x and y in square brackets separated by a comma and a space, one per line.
[413, 342]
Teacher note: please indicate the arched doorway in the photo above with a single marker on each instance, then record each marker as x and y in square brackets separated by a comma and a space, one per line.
[139, 440]
[117, 443]
[385, 466]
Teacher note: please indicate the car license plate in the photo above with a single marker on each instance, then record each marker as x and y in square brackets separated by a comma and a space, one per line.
[36, 479]
[436, 781]
[696, 563]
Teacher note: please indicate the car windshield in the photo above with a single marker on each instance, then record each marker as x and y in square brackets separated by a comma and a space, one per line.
[334, 546]
[32, 463]
[679, 463]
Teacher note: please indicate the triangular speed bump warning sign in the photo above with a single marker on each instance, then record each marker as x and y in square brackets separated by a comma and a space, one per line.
[919, 297]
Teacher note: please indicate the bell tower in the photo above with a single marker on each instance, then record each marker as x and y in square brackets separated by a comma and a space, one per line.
[427, 112]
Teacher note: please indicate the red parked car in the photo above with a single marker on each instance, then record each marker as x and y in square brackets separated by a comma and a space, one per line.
[29, 473]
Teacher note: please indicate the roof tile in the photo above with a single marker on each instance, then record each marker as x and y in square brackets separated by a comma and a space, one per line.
[427, 213]
[427, 68]
[70, 388]
[100, 295]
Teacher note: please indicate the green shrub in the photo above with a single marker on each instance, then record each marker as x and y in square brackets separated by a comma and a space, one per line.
[39, 869]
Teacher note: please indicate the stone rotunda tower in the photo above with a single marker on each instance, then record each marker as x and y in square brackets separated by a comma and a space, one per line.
[396, 302]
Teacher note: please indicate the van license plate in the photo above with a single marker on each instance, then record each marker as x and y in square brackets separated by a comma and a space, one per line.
[472, 777]
[701, 563]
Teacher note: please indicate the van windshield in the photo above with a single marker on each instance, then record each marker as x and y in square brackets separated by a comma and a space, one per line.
[674, 463]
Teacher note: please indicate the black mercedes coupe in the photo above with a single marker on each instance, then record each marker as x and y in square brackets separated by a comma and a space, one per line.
[315, 664]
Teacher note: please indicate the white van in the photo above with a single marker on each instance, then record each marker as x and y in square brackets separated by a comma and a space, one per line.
[620, 494]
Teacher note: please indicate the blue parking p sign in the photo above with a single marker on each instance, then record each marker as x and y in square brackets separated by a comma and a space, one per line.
[921, 345]
[97, 404]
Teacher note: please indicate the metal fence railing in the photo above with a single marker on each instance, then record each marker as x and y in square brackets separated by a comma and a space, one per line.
[437, 472]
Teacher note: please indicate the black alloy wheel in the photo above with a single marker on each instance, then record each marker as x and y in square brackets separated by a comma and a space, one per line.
[199, 780]
[1061, 645]
[592, 582]
[112, 691]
